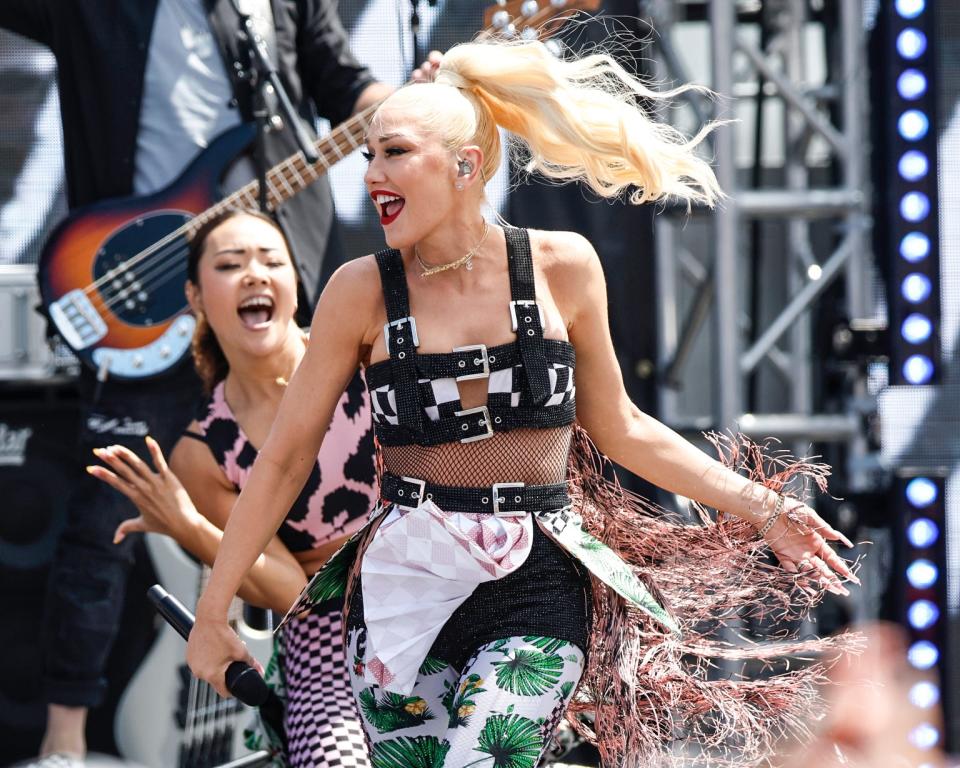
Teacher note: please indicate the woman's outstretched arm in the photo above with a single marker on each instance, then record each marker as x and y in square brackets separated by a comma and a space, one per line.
[340, 324]
[652, 450]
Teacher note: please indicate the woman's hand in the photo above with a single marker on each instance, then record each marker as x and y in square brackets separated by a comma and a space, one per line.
[427, 71]
[164, 506]
[799, 540]
[211, 648]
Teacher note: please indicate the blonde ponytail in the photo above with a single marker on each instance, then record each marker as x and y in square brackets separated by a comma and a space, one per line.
[578, 119]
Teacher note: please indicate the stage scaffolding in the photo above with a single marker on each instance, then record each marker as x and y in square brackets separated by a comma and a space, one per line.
[704, 303]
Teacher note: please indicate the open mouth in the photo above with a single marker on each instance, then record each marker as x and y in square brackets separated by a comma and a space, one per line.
[256, 312]
[389, 204]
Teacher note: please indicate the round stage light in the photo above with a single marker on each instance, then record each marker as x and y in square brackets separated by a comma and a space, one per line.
[915, 246]
[924, 736]
[918, 369]
[924, 694]
[921, 492]
[916, 287]
[923, 614]
[916, 328]
[911, 43]
[913, 125]
[911, 84]
[913, 165]
[922, 574]
[910, 9]
[914, 207]
[923, 655]
[923, 532]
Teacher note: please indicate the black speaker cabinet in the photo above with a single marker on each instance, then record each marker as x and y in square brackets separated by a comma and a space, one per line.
[38, 464]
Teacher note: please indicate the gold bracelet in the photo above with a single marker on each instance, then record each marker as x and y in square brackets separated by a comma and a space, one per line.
[774, 516]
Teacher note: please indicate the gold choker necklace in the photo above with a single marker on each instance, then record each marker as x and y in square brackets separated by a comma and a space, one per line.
[466, 260]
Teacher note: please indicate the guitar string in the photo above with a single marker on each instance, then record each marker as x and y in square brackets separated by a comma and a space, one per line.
[165, 264]
[168, 263]
[250, 191]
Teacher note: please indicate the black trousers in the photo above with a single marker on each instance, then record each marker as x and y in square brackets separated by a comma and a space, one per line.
[88, 578]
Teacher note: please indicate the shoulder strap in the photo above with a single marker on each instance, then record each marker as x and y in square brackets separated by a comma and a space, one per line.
[400, 336]
[394, 281]
[525, 313]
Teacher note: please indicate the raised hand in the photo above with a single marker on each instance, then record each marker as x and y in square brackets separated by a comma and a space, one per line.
[164, 505]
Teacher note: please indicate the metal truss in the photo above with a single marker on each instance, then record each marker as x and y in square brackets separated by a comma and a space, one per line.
[696, 295]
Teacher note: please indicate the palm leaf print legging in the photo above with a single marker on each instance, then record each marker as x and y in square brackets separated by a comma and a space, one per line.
[500, 711]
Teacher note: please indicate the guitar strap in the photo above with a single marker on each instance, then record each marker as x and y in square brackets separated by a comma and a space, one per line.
[225, 24]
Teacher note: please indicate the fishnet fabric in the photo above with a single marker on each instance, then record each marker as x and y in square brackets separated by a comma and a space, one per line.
[531, 456]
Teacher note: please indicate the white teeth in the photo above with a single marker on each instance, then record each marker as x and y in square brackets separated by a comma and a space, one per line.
[255, 302]
[383, 199]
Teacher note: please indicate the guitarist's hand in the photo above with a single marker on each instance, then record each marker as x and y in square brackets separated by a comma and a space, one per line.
[427, 71]
[212, 647]
[164, 505]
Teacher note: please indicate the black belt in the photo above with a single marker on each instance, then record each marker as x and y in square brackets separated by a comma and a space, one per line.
[501, 499]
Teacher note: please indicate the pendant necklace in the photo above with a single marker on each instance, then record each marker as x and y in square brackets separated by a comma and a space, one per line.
[465, 261]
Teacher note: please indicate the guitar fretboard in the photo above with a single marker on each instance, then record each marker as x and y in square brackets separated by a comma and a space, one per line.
[294, 174]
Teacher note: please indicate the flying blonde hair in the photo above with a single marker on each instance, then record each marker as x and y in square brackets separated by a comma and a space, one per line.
[579, 119]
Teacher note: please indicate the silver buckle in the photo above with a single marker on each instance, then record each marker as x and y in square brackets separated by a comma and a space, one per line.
[482, 349]
[525, 303]
[413, 330]
[497, 499]
[417, 496]
[486, 423]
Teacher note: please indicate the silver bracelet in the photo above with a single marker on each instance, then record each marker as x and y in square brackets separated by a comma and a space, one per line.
[774, 516]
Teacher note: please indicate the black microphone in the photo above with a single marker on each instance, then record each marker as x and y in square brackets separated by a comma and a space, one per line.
[243, 681]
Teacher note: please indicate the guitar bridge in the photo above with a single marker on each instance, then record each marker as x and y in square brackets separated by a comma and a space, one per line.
[77, 320]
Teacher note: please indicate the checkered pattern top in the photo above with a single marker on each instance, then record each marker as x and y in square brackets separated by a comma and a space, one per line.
[505, 389]
[530, 382]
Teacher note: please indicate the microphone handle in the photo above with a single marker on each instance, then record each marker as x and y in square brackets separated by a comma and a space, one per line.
[242, 680]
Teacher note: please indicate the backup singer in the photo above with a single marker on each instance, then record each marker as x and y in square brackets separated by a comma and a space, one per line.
[243, 289]
[478, 598]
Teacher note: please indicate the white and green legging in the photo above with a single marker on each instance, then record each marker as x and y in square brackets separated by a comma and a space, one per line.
[500, 710]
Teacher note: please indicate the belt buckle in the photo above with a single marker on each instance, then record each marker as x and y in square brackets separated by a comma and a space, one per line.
[514, 325]
[497, 498]
[482, 349]
[398, 323]
[417, 496]
[487, 425]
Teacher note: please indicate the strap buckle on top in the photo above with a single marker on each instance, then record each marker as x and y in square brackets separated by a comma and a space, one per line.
[514, 324]
[416, 494]
[483, 423]
[401, 337]
[502, 496]
[480, 359]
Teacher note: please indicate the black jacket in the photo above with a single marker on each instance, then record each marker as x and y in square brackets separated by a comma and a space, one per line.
[101, 51]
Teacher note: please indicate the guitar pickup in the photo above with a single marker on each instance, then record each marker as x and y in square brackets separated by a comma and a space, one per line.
[77, 320]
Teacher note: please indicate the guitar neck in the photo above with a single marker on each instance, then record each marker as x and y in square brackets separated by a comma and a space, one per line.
[291, 176]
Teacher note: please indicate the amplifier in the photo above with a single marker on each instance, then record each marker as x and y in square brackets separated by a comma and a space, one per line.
[25, 355]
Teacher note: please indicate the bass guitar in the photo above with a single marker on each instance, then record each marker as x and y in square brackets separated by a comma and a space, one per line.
[111, 275]
[167, 718]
